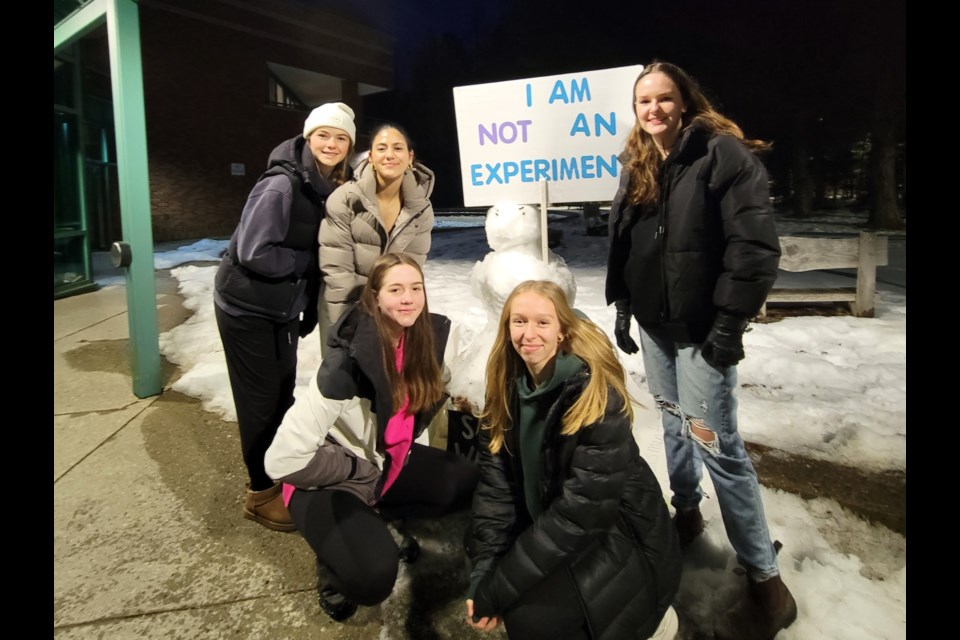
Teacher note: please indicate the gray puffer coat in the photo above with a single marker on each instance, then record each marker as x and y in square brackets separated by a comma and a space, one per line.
[353, 235]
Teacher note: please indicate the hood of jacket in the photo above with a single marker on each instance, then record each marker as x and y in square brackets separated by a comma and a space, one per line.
[693, 139]
[294, 156]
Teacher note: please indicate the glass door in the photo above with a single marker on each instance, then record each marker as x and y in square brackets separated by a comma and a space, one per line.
[71, 252]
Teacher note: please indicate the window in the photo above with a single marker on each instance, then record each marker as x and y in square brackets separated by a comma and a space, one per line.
[278, 94]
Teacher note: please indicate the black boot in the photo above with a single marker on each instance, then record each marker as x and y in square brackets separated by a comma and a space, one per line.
[689, 525]
[333, 603]
[409, 549]
[408, 545]
[767, 608]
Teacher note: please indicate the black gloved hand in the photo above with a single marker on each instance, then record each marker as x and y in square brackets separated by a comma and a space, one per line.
[724, 344]
[308, 321]
[622, 328]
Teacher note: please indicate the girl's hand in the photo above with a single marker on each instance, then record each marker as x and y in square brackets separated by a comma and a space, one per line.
[483, 624]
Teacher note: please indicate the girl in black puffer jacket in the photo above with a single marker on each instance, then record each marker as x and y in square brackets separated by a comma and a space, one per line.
[693, 253]
[571, 537]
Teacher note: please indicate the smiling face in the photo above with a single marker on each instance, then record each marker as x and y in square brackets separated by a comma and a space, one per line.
[401, 297]
[535, 332]
[329, 146]
[390, 155]
[659, 107]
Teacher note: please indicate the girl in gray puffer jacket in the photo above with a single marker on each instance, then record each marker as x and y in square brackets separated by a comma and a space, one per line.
[384, 209]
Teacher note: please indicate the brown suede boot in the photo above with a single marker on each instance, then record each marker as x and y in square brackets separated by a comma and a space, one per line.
[689, 525]
[267, 508]
[767, 608]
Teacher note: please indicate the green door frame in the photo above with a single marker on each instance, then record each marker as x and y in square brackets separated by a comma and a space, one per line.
[126, 77]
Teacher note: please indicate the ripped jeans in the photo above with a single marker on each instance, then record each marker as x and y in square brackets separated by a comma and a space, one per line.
[698, 409]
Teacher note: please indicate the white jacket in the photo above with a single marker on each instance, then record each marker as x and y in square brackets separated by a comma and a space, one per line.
[338, 407]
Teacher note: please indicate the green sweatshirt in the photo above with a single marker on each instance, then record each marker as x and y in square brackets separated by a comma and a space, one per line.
[534, 405]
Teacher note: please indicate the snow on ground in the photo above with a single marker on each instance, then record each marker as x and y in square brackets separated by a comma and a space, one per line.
[832, 388]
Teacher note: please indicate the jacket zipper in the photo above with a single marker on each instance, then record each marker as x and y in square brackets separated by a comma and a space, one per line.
[396, 230]
[660, 236]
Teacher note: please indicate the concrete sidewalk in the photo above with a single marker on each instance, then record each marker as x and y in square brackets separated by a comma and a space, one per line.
[149, 541]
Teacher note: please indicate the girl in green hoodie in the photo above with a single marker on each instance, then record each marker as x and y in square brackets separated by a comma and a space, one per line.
[571, 536]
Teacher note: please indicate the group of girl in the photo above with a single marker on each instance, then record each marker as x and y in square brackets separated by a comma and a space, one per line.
[570, 535]
[305, 245]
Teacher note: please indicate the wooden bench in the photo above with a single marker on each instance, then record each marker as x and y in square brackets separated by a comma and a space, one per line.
[813, 253]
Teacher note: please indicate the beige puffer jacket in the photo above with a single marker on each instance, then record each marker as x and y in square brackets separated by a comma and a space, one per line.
[353, 236]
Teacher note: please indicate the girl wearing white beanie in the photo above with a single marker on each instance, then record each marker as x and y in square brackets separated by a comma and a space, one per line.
[268, 277]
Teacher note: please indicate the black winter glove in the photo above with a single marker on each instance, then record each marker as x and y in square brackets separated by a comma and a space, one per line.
[622, 328]
[308, 321]
[724, 344]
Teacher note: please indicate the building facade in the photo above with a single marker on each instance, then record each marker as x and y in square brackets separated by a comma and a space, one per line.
[224, 81]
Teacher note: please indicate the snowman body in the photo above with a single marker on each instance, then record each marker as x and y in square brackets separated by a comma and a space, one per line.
[513, 233]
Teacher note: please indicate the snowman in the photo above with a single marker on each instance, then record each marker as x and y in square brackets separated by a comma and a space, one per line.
[513, 233]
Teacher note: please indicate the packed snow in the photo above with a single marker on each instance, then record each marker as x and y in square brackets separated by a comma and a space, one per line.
[831, 388]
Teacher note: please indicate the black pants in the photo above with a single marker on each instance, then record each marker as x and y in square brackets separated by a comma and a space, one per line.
[352, 539]
[262, 364]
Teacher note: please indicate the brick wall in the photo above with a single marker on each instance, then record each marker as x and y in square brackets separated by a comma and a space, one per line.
[205, 84]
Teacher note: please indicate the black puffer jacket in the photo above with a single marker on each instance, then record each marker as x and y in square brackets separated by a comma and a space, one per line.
[605, 522]
[709, 245]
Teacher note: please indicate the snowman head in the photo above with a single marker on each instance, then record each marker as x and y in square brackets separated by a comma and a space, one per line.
[510, 225]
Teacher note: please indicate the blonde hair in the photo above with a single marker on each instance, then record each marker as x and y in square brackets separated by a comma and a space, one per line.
[645, 160]
[582, 338]
[419, 380]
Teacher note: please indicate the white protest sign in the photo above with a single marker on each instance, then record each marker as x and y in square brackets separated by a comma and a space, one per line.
[566, 129]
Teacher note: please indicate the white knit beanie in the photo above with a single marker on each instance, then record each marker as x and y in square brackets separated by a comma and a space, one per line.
[332, 114]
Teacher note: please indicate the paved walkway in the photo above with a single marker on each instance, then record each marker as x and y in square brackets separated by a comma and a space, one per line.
[149, 541]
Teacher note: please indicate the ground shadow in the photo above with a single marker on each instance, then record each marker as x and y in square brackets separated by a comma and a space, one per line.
[112, 356]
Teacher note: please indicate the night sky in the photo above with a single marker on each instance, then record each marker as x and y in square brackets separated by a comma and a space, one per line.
[810, 72]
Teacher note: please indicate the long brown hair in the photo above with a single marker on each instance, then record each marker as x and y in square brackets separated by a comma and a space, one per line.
[419, 380]
[582, 338]
[645, 160]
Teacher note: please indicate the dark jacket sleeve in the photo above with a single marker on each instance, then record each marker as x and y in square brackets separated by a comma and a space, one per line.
[336, 466]
[620, 211]
[263, 226]
[585, 509]
[752, 252]
[495, 504]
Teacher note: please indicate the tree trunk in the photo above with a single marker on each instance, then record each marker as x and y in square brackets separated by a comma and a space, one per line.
[883, 186]
[819, 183]
[883, 161]
[802, 181]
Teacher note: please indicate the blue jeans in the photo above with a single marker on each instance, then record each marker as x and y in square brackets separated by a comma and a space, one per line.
[687, 388]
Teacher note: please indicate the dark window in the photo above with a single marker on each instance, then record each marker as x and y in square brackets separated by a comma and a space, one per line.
[279, 95]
